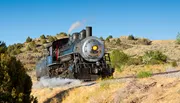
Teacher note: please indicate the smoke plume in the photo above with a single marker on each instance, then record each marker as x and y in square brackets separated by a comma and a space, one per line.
[46, 82]
[76, 25]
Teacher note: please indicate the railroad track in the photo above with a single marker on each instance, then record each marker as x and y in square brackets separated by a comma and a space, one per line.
[90, 83]
[69, 83]
[154, 74]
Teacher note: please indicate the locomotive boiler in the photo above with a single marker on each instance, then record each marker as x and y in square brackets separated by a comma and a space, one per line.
[80, 56]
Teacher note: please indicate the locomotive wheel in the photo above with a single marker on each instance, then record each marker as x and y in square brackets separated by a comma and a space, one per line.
[107, 72]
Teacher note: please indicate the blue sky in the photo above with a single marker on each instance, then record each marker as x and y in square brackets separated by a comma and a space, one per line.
[153, 19]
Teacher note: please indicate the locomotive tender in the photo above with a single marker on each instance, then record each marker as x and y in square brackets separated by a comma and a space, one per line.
[80, 56]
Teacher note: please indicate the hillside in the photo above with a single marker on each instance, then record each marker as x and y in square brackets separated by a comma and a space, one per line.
[131, 47]
[139, 47]
[34, 50]
[154, 89]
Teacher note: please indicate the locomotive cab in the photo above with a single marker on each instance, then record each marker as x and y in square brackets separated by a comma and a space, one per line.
[54, 50]
[57, 47]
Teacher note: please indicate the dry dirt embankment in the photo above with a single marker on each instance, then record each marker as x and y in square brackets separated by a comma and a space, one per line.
[156, 89]
[149, 90]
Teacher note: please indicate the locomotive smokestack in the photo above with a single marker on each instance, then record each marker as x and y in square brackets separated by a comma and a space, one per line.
[88, 31]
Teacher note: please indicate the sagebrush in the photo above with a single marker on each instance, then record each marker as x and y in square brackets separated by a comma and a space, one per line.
[154, 57]
[119, 58]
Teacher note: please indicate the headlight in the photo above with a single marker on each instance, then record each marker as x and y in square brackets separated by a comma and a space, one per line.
[95, 47]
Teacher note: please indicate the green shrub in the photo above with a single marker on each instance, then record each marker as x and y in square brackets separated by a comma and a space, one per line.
[32, 44]
[28, 39]
[28, 48]
[43, 47]
[119, 69]
[107, 40]
[35, 50]
[118, 58]
[131, 37]
[118, 41]
[43, 41]
[61, 34]
[3, 47]
[144, 74]
[101, 38]
[42, 36]
[178, 38]
[15, 52]
[48, 36]
[14, 49]
[51, 39]
[110, 37]
[55, 38]
[154, 57]
[15, 84]
[174, 64]
[144, 41]
[135, 61]
[18, 45]
[154, 61]
[113, 41]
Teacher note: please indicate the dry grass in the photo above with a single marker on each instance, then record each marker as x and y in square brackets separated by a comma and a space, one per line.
[94, 94]
[135, 69]
[148, 90]
[167, 47]
[45, 93]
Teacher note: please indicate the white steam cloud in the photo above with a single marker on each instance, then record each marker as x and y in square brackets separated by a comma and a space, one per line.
[76, 25]
[56, 82]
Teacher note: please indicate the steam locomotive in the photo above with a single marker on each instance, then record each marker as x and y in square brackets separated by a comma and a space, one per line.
[80, 56]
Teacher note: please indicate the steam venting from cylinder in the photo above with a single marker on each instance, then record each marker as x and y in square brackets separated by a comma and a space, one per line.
[88, 31]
